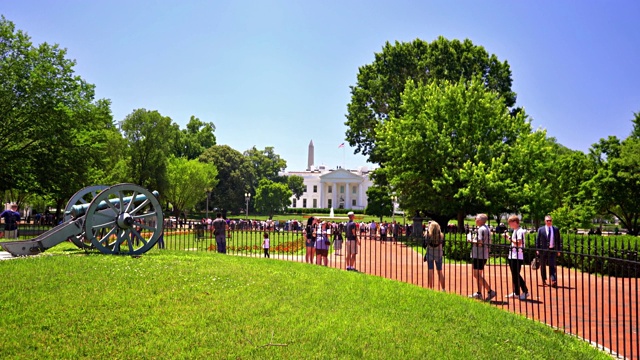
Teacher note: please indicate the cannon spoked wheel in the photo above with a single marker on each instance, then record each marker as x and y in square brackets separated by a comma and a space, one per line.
[132, 226]
[84, 196]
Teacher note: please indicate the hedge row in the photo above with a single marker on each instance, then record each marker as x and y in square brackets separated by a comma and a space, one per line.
[321, 211]
[605, 255]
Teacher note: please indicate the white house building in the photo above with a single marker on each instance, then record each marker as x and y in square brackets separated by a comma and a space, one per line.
[332, 188]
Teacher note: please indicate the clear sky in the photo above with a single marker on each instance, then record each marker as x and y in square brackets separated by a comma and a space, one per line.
[277, 73]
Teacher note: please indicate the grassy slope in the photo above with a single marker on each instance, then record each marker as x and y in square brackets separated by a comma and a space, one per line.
[203, 305]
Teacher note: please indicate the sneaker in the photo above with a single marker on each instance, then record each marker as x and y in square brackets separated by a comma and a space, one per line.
[524, 296]
[491, 295]
[512, 295]
[476, 296]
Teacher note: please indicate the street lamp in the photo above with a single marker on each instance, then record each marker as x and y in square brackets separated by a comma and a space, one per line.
[394, 199]
[247, 197]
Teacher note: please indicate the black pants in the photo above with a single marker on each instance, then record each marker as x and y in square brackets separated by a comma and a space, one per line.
[266, 252]
[548, 257]
[516, 279]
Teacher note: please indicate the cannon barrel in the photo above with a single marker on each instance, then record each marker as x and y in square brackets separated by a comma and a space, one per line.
[79, 210]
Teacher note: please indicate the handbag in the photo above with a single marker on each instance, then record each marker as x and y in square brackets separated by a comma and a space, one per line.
[535, 263]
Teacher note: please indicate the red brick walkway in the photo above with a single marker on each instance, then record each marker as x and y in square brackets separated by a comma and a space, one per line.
[601, 309]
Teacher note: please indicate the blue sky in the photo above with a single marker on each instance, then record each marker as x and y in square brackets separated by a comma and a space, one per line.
[277, 73]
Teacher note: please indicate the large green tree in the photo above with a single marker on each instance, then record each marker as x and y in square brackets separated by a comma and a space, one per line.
[52, 131]
[188, 181]
[234, 174]
[192, 141]
[452, 149]
[149, 137]
[296, 185]
[571, 170]
[272, 197]
[266, 164]
[616, 185]
[377, 93]
[379, 202]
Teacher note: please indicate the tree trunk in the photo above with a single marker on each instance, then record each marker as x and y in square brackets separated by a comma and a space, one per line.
[443, 221]
[59, 203]
[461, 215]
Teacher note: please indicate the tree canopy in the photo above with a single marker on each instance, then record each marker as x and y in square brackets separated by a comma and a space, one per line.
[272, 197]
[296, 185]
[149, 136]
[188, 182]
[452, 147]
[379, 87]
[379, 202]
[52, 132]
[616, 185]
[192, 141]
[234, 174]
[266, 164]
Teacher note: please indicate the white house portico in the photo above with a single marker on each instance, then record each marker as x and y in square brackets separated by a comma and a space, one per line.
[335, 188]
[342, 189]
[332, 188]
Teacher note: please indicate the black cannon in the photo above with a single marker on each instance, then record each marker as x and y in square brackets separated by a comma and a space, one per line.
[120, 219]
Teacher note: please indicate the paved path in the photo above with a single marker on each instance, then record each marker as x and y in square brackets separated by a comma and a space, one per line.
[601, 309]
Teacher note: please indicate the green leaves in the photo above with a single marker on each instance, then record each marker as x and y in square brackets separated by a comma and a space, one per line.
[188, 182]
[378, 93]
[272, 197]
[616, 185]
[48, 113]
[450, 150]
[379, 202]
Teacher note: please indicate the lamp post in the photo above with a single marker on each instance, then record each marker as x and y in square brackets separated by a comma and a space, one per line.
[247, 197]
[393, 207]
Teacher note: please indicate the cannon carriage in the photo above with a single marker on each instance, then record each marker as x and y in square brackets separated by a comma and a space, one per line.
[119, 219]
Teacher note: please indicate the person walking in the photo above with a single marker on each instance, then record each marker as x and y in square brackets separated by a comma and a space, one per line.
[220, 228]
[433, 255]
[548, 245]
[352, 243]
[480, 244]
[516, 258]
[373, 230]
[11, 219]
[322, 245]
[337, 239]
[395, 231]
[383, 231]
[265, 244]
[310, 239]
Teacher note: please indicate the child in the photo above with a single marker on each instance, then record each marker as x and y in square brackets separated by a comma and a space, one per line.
[265, 244]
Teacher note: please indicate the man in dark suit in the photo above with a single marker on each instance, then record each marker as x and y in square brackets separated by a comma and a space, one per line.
[549, 245]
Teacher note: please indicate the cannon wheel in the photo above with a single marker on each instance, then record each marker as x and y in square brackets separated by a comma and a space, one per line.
[128, 228]
[84, 196]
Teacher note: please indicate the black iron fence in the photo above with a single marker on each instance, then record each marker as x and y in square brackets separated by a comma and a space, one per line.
[595, 297]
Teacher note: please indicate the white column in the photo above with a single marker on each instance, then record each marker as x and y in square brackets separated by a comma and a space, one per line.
[347, 196]
[321, 189]
[360, 197]
[334, 197]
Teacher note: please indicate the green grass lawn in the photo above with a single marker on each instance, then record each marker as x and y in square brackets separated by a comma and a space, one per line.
[177, 304]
